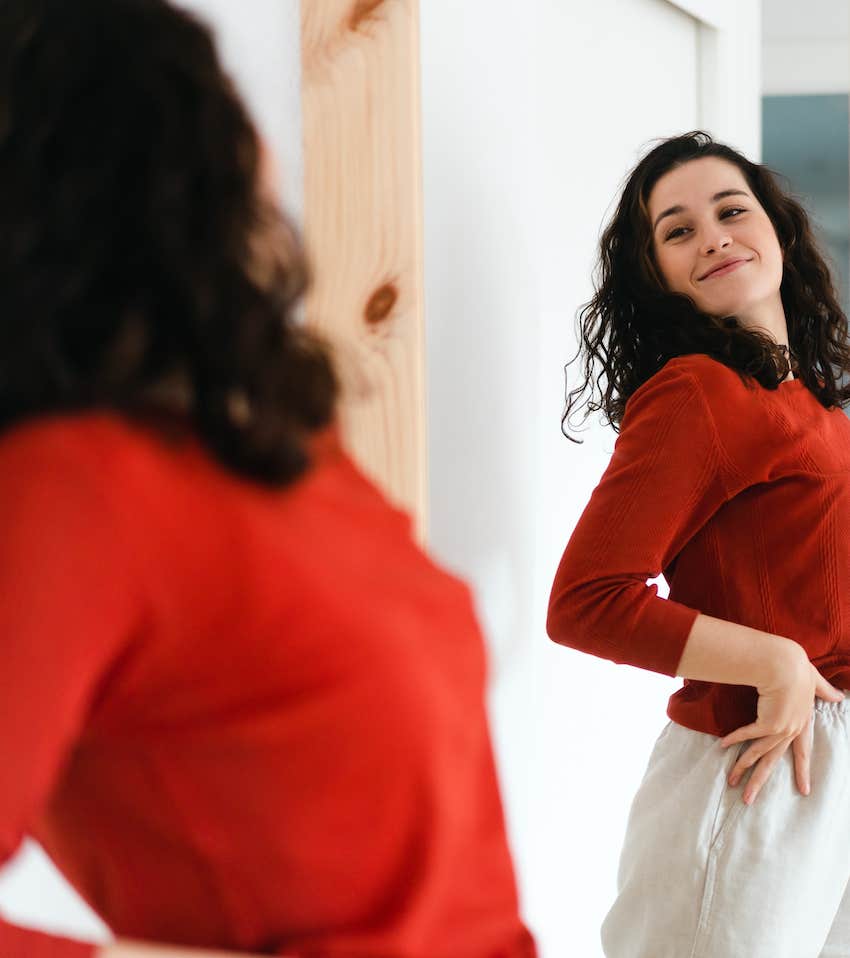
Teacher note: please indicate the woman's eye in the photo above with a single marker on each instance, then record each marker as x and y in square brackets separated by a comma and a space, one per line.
[680, 230]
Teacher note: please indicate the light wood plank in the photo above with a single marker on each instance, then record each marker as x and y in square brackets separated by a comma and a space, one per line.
[363, 228]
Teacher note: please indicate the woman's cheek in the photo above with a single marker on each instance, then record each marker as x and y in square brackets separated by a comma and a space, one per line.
[675, 275]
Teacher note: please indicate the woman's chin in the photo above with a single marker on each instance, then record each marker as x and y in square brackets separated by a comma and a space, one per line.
[726, 309]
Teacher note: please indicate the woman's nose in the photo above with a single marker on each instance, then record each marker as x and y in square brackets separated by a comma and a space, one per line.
[714, 240]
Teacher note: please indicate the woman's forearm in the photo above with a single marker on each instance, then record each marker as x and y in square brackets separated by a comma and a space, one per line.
[721, 651]
[132, 949]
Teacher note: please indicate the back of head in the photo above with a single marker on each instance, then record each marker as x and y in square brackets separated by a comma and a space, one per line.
[143, 267]
[634, 323]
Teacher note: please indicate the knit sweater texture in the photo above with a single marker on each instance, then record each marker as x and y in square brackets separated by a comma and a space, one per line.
[740, 496]
[241, 717]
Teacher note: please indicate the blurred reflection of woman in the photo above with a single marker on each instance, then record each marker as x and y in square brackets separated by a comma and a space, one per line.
[724, 351]
[240, 708]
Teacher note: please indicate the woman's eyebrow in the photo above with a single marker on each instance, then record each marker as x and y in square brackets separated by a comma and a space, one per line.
[681, 209]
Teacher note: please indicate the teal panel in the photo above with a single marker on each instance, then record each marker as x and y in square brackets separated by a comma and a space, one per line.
[807, 140]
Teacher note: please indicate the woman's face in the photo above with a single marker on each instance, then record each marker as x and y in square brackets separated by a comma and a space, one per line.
[703, 214]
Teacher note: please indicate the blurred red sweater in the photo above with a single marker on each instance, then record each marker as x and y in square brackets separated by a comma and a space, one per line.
[237, 716]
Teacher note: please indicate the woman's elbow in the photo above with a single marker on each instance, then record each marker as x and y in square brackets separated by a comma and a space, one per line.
[561, 623]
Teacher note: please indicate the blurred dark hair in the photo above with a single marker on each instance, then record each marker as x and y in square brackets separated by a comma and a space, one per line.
[633, 324]
[143, 268]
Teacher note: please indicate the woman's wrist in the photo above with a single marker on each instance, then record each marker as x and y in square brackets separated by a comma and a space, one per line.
[785, 661]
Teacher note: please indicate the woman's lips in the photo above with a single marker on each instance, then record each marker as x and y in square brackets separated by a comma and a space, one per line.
[727, 269]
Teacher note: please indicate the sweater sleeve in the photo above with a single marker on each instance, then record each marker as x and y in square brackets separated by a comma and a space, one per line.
[25, 943]
[664, 481]
[66, 608]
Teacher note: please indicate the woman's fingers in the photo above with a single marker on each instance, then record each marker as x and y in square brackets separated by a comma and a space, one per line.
[763, 755]
[825, 690]
[762, 771]
[777, 727]
[753, 754]
[742, 734]
[802, 747]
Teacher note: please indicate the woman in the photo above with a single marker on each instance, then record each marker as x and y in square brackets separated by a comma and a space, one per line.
[723, 347]
[240, 708]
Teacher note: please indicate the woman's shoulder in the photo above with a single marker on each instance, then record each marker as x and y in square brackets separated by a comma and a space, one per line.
[59, 472]
[61, 436]
[709, 372]
[694, 376]
[98, 454]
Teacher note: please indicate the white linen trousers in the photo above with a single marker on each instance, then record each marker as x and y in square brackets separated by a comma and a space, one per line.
[702, 875]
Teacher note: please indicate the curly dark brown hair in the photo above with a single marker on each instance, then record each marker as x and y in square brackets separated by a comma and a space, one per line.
[143, 267]
[633, 324]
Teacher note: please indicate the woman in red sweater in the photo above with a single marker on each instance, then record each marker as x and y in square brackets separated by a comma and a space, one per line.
[726, 360]
[241, 709]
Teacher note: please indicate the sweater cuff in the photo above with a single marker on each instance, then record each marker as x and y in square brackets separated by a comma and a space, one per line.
[669, 623]
[26, 943]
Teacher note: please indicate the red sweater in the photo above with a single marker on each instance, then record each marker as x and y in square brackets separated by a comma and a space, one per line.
[241, 717]
[740, 495]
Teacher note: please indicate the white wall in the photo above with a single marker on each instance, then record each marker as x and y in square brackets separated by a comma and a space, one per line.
[806, 46]
[530, 123]
[260, 44]
[259, 41]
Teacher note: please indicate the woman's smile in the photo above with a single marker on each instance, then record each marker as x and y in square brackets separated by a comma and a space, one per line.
[724, 270]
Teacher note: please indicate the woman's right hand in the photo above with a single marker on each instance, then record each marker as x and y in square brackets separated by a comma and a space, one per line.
[784, 717]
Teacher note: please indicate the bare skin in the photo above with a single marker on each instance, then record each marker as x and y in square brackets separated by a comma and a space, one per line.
[704, 214]
[787, 684]
[129, 949]
[712, 229]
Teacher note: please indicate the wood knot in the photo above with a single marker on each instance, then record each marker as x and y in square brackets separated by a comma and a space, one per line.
[381, 304]
[362, 11]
